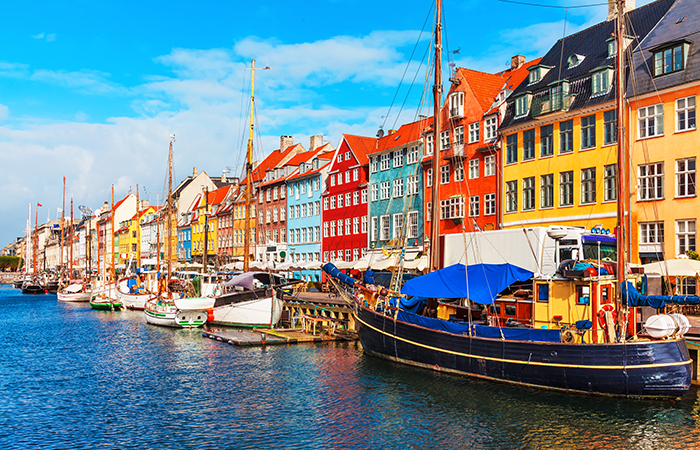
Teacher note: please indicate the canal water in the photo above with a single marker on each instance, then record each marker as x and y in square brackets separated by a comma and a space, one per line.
[71, 377]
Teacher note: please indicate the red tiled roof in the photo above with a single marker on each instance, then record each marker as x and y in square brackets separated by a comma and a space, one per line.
[515, 77]
[406, 133]
[361, 146]
[296, 174]
[485, 86]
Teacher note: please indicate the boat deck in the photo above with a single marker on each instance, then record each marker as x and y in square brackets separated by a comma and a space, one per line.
[267, 336]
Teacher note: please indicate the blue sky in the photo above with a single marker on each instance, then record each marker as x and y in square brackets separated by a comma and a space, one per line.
[92, 90]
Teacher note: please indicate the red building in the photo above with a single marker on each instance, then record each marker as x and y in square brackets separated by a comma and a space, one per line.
[470, 151]
[344, 228]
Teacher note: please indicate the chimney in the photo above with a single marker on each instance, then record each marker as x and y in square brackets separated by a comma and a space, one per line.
[223, 177]
[286, 141]
[517, 61]
[316, 142]
[194, 172]
[612, 8]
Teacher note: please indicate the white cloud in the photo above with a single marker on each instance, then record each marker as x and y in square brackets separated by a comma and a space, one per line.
[38, 36]
[4, 112]
[87, 81]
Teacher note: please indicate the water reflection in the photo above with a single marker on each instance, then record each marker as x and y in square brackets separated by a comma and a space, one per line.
[89, 379]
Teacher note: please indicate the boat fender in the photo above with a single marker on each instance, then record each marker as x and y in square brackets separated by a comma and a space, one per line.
[601, 314]
[210, 315]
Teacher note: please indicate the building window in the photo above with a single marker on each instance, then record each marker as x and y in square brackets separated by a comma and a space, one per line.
[385, 228]
[445, 140]
[473, 133]
[473, 169]
[651, 233]
[588, 185]
[528, 144]
[348, 226]
[489, 204]
[332, 178]
[325, 229]
[375, 191]
[566, 188]
[364, 195]
[332, 202]
[601, 81]
[685, 177]
[356, 198]
[528, 193]
[355, 174]
[457, 104]
[364, 224]
[522, 105]
[685, 235]
[609, 127]
[547, 140]
[489, 165]
[428, 211]
[398, 225]
[651, 181]
[347, 177]
[397, 188]
[412, 155]
[512, 196]
[588, 131]
[375, 222]
[610, 183]
[429, 145]
[459, 171]
[459, 135]
[325, 203]
[452, 208]
[412, 220]
[374, 165]
[547, 191]
[685, 114]
[384, 190]
[651, 121]
[512, 149]
[566, 136]
[348, 255]
[490, 128]
[445, 174]
[385, 161]
[412, 185]
[668, 60]
[339, 227]
[348, 197]
[429, 177]
[474, 204]
[398, 158]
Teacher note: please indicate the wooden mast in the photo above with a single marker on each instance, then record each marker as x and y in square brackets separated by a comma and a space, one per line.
[63, 227]
[249, 173]
[168, 224]
[621, 164]
[437, 125]
[35, 244]
[113, 271]
[70, 273]
[206, 230]
[138, 229]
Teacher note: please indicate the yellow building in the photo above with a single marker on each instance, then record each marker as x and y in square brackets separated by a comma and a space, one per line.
[203, 205]
[559, 134]
[239, 215]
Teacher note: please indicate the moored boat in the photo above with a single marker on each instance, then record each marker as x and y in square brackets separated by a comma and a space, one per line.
[75, 292]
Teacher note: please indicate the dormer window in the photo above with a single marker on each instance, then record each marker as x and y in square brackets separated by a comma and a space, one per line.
[601, 80]
[537, 73]
[522, 105]
[669, 58]
[457, 104]
[612, 47]
[574, 60]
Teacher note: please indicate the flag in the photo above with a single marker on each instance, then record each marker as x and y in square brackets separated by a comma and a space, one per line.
[64, 178]
[38, 205]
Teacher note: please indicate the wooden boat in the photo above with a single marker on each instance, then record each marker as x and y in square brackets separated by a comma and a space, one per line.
[31, 287]
[75, 292]
[104, 303]
[134, 292]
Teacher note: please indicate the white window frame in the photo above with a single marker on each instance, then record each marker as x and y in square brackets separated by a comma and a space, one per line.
[473, 168]
[686, 235]
[397, 225]
[686, 177]
[474, 206]
[385, 162]
[650, 121]
[397, 188]
[490, 204]
[650, 181]
[474, 131]
[686, 114]
[384, 227]
[490, 128]
[397, 159]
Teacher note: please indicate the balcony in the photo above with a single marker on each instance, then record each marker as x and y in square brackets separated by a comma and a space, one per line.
[551, 103]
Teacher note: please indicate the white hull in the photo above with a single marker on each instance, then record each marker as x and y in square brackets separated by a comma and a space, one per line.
[262, 312]
[77, 297]
[134, 301]
[166, 314]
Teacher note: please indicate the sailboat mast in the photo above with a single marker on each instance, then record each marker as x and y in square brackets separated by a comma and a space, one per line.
[621, 156]
[70, 274]
[63, 227]
[168, 220]
[35, 244]
[113, 271]
[249, 172]
[138, 229]
[437, 125]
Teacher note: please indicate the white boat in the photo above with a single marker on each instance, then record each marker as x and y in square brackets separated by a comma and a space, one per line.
[253, 299]
[177, 313]
[75, 292]
[134, 295]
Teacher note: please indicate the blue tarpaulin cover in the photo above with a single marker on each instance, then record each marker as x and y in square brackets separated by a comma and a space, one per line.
[480, 283]
[413, 304]
[509, 334]
[634, 298]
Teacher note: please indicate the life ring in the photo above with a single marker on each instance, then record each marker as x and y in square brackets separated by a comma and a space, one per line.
[601, 314]
[567, 336]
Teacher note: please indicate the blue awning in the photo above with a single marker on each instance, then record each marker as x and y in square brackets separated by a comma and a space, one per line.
[480, 283]
[634, 298]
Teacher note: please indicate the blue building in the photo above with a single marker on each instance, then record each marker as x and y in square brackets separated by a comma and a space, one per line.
[396, 191]
[304, 188]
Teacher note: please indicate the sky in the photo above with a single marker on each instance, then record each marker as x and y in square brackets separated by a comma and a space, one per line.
[92, 90]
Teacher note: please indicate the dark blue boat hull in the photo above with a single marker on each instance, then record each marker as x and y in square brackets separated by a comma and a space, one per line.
[633, 369]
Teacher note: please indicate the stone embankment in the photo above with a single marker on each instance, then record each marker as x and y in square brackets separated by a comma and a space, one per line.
[7, 277]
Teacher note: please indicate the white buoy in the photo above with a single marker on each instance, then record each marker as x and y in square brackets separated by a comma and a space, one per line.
[682, 322]
[660, 325]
